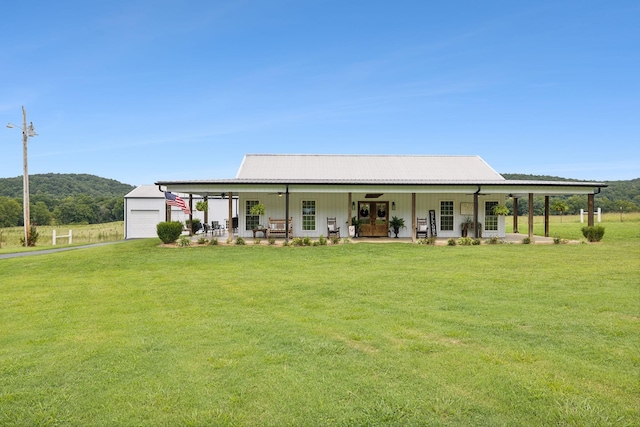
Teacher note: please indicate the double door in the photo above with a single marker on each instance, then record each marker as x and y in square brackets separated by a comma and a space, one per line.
[374, 219]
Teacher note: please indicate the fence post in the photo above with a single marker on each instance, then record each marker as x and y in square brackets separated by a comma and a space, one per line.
[53, 239]
[70, 237]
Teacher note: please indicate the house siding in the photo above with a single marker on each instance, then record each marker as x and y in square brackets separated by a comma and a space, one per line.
[336, 205]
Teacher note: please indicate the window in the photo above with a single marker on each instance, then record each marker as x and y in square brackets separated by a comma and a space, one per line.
[251, 221]
[308, 214]
[490, 218]
[446, 216]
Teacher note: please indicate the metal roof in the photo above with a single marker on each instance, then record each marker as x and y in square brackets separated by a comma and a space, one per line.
[329, 168]
[145, 192]
[330, 173]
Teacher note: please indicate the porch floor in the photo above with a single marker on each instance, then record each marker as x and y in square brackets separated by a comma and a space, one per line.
[442, 241]
[512, 238]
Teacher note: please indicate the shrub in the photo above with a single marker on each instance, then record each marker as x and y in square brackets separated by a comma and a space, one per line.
[184, 241]
[306, 241]
[493, 240]
[257, 241]
[169, 232]
[322, 241]
[593, 233]
[33, 237]
[451, 242]
[213, 242]
[559, 240]
[476, 242]
[297, 241]
[427, 241]
[202, 241]
[272, 241]
[240, 241]
[465, 241]
[527, 241]
[335, 240]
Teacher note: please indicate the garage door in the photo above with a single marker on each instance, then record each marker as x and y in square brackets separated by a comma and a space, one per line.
[142, 224]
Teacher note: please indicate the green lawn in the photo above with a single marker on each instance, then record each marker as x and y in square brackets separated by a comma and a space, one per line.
[354, 334]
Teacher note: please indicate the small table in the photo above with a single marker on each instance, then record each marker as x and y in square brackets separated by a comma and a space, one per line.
[260, 230]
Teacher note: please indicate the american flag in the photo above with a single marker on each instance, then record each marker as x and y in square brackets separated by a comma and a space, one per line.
[173, 200]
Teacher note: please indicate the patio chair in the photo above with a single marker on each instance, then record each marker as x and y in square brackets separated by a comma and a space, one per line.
[422, 227]
[215, 228]
[332, 228]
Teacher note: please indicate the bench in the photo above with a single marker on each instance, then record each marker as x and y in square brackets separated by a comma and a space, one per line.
[277, 227]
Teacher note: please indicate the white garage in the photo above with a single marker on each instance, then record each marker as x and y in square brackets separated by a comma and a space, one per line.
[145, 207]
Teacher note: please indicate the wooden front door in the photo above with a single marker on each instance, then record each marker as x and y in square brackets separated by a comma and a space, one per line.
[375, 219]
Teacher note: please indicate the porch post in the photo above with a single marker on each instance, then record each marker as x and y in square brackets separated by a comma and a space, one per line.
[349, 213]
[206, 212]
[230, 231]
[546, 216]
[190, 214]
[531, 216]
[286, 216]
[590, 204]
[515, 215]
[475, 213]
[413, 217]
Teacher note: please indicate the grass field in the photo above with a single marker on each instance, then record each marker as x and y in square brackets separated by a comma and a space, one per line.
[353, 334]
[81, 234]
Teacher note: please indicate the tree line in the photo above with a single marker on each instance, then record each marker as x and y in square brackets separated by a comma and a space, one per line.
[618, 194]
[63, 199]
[80, 209]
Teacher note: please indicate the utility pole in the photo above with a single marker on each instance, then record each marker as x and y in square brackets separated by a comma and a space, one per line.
[26, 133]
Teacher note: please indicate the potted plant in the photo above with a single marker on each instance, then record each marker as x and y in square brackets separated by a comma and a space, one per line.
[500, 210]
[396, 224]
[257, 210]
[202, 206]
[466, 225]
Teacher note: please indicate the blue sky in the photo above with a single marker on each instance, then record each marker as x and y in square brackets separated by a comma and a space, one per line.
[141, 91]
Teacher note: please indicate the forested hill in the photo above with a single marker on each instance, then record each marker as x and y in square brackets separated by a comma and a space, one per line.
[59, 186]
[617, 194]
[521, 176]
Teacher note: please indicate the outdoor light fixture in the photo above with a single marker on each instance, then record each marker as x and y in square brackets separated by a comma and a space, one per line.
[393, 206]
[353, 206]
[27, 132]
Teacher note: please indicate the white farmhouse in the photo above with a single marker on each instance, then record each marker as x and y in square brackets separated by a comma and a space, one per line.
[305, 190]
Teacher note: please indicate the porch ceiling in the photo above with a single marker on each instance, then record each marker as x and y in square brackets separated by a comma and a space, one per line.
[515, 188]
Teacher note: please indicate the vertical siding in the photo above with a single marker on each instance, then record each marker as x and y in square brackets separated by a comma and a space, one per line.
[332, 204]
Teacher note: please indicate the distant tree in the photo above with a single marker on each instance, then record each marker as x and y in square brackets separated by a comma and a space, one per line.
[10, 212]
[560, 207]
[575, 203]
[75, 210]
[117, 208]
[40, 214]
